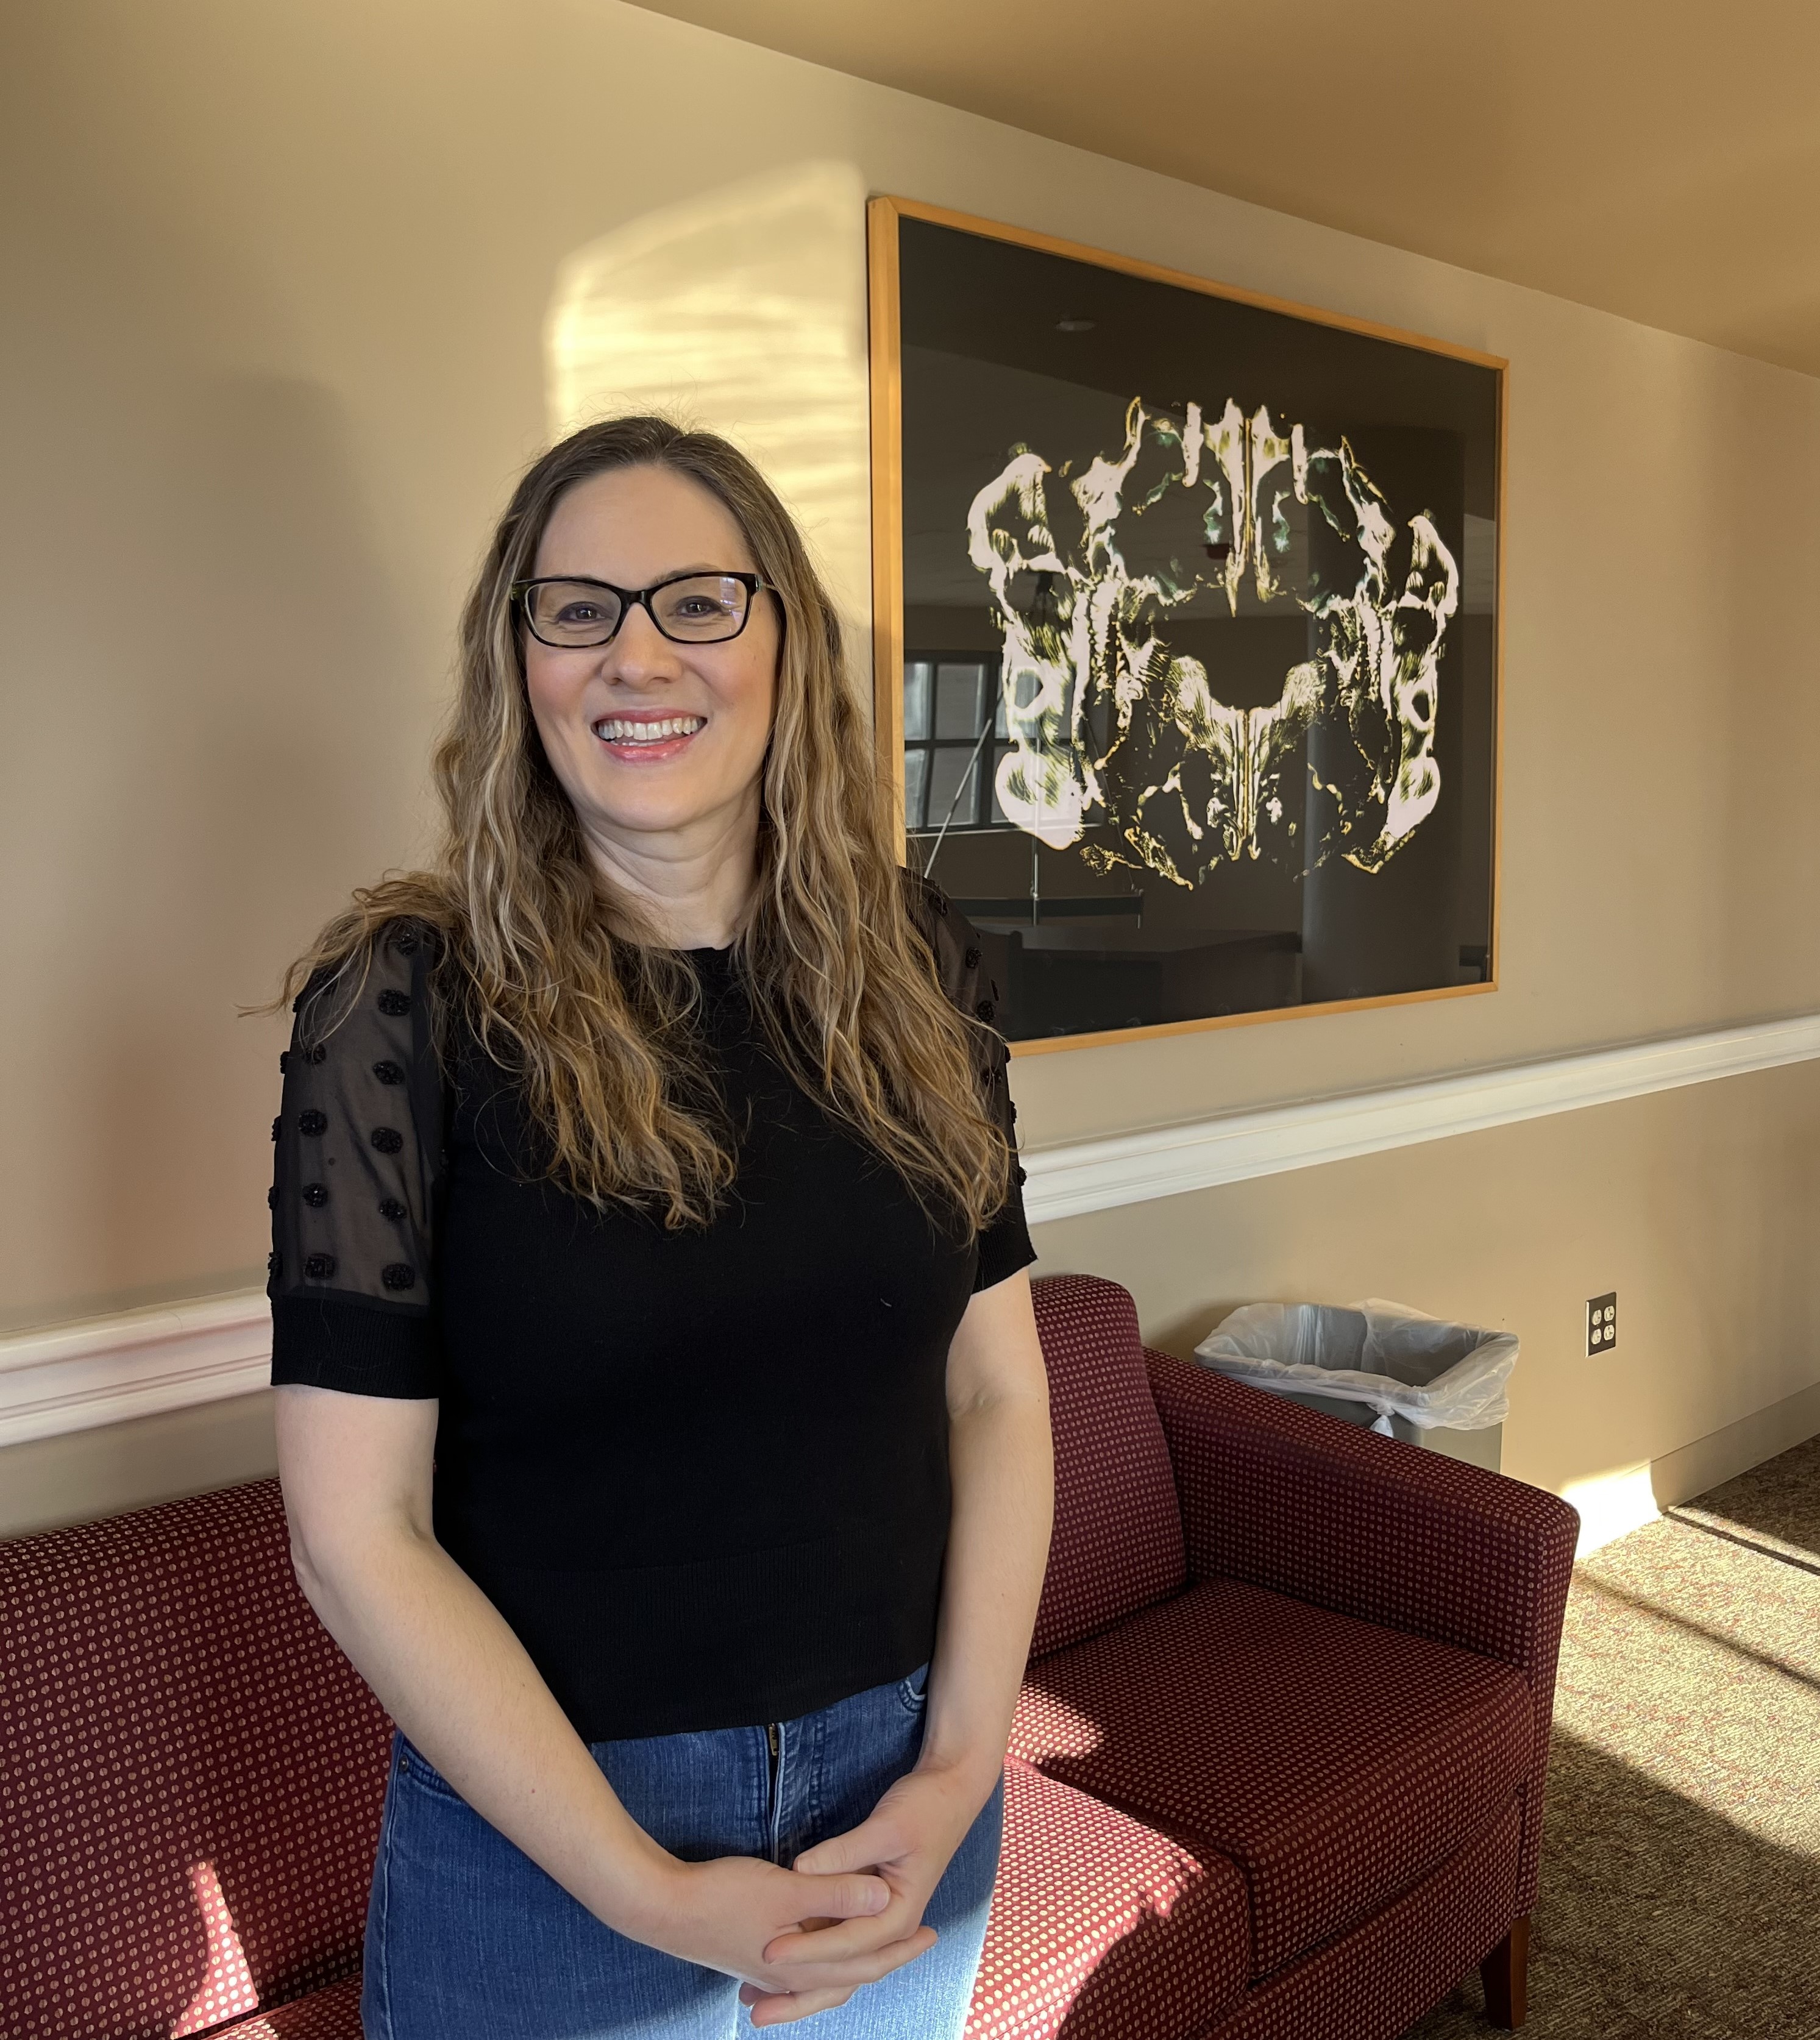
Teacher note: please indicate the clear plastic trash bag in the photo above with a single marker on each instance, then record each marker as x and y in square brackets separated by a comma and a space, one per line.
[1432, 1374]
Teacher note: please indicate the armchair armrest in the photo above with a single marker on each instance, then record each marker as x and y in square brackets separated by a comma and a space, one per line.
[1286, 1499]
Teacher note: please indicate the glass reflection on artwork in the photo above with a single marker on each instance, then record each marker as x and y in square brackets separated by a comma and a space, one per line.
[1198, 662]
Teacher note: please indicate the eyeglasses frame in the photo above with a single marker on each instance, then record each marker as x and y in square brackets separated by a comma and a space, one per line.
[520, 591]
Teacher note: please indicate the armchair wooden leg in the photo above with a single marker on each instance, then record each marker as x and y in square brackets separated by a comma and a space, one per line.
[1505, 1974]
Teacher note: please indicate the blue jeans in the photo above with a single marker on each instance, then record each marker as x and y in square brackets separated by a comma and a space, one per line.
[466, 1936]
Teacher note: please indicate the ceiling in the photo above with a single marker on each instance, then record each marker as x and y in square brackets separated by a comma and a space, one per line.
[1657, 158]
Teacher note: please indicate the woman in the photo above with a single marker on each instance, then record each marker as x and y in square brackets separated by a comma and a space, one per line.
[661, 1419]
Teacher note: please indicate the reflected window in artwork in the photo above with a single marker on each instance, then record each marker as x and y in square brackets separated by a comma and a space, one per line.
[955, 742]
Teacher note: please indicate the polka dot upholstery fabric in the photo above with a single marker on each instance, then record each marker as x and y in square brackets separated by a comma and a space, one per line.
[1286, 1499]
[1374, 1982]
[176, 1725]
[1333, 1761]
[331, 2014]
[1117, 1545]
[1257, 1775]
[1101, 1927]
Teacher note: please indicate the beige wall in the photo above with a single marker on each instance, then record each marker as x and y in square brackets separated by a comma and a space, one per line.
[1698, 1206]
[82, 1474]
[277, 282]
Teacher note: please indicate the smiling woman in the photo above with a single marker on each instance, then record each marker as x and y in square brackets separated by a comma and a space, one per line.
[661, 1420]
[676, 673]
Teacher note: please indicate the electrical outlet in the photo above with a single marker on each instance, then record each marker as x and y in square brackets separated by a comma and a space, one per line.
[1601, 1322]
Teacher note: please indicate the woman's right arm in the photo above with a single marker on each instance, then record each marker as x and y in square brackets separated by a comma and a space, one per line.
[357, 1475]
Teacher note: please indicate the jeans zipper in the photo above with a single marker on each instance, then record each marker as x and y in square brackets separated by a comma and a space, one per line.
[776, 1744]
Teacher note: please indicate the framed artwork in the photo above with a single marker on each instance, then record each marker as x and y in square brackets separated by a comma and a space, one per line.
[1186, 633]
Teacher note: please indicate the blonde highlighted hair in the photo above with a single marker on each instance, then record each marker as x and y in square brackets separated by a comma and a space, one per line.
[598, 1027]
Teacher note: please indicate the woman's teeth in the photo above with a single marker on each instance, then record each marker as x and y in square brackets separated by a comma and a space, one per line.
[623, 729]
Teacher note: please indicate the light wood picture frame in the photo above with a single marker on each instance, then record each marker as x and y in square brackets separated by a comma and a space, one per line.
[1193, 595]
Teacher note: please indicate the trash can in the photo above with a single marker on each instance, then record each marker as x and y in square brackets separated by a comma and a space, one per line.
[1382, 1366]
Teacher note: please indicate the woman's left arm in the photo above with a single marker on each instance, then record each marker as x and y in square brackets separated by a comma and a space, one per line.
[1001, 1469]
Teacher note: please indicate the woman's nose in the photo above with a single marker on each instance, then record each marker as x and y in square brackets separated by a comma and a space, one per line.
[640, 654]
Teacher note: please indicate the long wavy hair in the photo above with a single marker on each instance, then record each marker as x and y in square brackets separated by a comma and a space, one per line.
[600, 1027]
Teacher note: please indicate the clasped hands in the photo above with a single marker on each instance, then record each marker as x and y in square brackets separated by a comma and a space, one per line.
[847, 1912]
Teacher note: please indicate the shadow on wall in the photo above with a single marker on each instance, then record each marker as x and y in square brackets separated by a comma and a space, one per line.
[742, 310]
[226, 741]
[1766, 1244]
[304, 728]
[301, 735]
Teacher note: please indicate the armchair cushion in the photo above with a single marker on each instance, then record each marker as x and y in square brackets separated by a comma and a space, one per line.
[1370, 1983]
[1286, 1499]
[1335, 1762]
[1101, 1927]
[332, 2014]
[1118, 1539]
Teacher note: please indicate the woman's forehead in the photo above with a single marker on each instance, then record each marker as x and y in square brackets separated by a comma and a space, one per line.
[635, 525]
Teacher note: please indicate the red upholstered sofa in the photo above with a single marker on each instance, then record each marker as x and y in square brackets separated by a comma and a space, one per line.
[1276, 1771]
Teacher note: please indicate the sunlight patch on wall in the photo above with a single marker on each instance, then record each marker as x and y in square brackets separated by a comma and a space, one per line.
[742, 310]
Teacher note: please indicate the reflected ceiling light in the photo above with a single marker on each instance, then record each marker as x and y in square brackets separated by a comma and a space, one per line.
[742, 311]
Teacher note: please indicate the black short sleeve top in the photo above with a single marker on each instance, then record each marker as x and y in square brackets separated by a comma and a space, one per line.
[703, 1473]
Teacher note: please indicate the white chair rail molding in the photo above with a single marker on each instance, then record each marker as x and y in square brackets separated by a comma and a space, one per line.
[72, 1376]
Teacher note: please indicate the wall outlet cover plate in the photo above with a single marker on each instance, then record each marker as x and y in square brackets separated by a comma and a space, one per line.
[1601, 1322]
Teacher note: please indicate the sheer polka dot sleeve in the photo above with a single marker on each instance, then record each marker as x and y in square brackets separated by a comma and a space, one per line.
[358, 1162]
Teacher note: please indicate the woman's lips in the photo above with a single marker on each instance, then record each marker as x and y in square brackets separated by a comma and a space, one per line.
[647, 740]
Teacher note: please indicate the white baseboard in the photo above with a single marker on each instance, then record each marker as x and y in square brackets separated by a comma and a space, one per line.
[1735, 1449]
[1611, 1506]
[1614, 1503]
[70, 1377]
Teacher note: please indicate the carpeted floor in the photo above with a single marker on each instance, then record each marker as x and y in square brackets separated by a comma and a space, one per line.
[1681, 1865]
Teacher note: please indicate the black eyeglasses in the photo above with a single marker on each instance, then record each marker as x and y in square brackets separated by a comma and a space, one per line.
[571, 612]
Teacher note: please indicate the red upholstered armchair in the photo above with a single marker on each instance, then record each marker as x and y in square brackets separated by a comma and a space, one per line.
[1277, 1771]
[1277, 1768]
